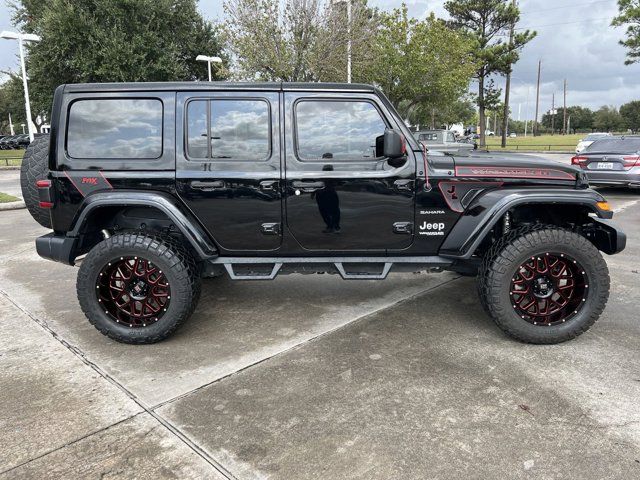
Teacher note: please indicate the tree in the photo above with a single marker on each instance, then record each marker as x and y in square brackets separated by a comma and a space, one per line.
[630, 16]
[630, 113]
[12, 103]
[423, 66]
[113, 41]
[608, 119]
[459, 111]
[581, 119]
[486, 22]
[297, 40]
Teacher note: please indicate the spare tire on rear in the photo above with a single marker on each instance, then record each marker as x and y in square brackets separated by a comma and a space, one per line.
[35, 166]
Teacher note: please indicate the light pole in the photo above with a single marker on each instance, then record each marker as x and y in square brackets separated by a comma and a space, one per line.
[348, 2]
[23, 37]
[209, 60]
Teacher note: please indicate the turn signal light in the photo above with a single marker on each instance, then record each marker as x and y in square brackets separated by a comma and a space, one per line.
[604, 206]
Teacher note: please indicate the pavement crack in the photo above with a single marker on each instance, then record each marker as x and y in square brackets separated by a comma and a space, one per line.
[68, 444]
[146, 409]
[305, 342]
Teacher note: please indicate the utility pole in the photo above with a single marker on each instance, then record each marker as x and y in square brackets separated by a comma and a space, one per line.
[535, 120]
[553, 112]
[564, 117]
[507, 90]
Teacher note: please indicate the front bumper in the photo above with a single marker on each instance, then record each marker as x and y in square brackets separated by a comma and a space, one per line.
[58, 248]
[607, 237]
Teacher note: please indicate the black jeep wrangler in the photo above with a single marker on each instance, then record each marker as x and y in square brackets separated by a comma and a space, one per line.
[158, 185]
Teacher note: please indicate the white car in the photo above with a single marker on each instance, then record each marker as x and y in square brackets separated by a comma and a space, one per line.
[589, 139]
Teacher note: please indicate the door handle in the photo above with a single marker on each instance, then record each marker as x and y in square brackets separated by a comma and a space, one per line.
[207, 185]
[307, 186]
[403, 185]
[268, 185]
[405, 228]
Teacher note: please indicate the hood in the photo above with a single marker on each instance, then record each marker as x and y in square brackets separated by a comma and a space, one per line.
[514, 166]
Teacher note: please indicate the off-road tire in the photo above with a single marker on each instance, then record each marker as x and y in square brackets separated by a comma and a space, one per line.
[173, 260]
[35, 166]
[505, 257]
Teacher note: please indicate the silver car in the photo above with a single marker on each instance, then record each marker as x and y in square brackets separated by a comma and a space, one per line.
[443, 141]
[611, 161]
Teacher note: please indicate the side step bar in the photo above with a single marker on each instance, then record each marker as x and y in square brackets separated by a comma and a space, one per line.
[229, 264]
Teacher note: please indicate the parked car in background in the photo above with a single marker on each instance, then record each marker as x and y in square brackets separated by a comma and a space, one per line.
[13, 142]
[5, 143]
[512, 135]
[612, 161]
[589, 139]
[22, 141]
[444, 141]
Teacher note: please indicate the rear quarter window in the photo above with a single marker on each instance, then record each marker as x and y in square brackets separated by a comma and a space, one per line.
[114, 128]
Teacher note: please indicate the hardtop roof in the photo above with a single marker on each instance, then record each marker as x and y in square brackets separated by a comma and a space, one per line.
[195, 86]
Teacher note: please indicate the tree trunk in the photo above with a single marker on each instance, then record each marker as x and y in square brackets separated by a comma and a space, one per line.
[481, 115]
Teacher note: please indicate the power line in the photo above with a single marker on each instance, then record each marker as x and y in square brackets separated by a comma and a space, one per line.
[583, 4]
[584, 20]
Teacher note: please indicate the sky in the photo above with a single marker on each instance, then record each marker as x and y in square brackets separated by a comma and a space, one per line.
[575, 42]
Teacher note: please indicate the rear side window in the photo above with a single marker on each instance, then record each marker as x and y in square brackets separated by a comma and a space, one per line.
[428, 137]
[115, 128]
[230, 130]
[338, 130]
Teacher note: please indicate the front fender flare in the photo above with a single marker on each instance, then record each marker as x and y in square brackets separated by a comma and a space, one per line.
[170, 206]
[486, 210]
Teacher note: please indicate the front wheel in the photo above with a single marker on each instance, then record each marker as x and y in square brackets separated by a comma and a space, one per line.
[136, 288]
[544, 286]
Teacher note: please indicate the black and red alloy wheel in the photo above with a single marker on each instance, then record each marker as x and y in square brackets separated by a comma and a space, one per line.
[548, 289]
[133, 291]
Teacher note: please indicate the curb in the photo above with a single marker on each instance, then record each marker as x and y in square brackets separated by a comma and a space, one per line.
[11, 167]
[12, 205]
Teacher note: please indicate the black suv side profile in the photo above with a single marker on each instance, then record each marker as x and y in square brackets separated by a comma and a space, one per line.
[151, 187]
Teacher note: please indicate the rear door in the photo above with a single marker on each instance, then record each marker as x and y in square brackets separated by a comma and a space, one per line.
[228, 166]
[341, 193]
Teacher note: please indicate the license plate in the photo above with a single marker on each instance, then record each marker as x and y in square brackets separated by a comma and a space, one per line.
[604, 166]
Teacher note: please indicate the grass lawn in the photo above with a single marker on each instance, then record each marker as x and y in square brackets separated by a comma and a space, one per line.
[11, 157]
[543, 142]
[5, 198]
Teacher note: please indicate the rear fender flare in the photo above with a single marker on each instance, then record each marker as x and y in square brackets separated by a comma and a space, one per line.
[487, 209]
[188, 225]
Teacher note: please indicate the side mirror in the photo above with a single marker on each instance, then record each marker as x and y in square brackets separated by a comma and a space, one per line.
[394, 145]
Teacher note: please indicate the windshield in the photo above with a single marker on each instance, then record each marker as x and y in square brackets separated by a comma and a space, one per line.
[594, 136]
[615, 145]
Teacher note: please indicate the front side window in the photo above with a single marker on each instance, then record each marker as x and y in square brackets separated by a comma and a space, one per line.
[234, 129]
[338, 130]
[115, 128]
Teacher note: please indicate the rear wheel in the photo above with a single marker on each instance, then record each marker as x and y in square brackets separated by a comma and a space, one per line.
[136, 288]
[546, 285]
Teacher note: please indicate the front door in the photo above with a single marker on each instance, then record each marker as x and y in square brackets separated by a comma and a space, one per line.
[228, 166]
[342, 194]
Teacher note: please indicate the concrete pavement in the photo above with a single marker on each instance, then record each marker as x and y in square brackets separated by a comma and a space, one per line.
[314, 377]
